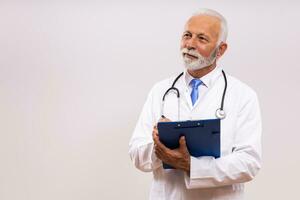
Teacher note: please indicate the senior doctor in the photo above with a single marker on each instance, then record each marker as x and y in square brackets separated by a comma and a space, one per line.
[201, 87]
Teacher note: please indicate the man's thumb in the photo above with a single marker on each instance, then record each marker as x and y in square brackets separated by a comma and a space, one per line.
[182, 142]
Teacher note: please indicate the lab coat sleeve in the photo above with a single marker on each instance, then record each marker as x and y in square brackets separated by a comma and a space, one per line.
[141, 146]
[239, 166]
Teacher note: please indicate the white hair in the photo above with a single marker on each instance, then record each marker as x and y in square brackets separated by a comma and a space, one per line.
[213, 13]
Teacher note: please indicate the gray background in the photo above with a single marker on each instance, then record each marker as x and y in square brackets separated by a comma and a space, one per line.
[75, 74]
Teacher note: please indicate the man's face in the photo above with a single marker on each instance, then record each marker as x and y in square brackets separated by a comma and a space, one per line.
[201, 34]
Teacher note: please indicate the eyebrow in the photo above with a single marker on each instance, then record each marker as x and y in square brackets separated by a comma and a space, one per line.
[199, 34]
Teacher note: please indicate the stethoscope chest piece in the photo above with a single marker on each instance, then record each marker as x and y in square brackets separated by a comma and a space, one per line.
[220, 114]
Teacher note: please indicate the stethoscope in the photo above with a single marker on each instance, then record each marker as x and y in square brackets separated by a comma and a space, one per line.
[220, 113]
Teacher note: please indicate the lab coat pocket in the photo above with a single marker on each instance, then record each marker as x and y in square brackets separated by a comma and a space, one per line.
[227, 138]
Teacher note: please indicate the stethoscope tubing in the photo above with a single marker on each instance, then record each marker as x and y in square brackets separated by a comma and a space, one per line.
[220, 113]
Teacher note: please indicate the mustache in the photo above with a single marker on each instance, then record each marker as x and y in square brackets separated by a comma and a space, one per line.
[192, 52]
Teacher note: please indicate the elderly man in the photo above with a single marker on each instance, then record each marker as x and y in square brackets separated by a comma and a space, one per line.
[201, 87]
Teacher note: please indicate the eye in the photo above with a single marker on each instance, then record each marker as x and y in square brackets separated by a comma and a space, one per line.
[186, 35]
[202, 38]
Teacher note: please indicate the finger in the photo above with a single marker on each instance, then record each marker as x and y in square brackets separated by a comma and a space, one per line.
[156, 140]
[161, 145]
[155, 135]
[157, 150]
[157, 146]
[167, 119]
[161, 155]
[164, 119]
[157, 143]
[158, 153]
[182, 140]
[182, 143]
[155, 130]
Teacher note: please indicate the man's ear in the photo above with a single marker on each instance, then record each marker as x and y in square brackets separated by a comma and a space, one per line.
[222, 49]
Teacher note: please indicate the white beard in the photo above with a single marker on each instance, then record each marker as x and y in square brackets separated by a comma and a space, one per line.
[199, 63]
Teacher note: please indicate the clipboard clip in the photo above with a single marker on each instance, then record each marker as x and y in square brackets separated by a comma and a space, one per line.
[180, 126]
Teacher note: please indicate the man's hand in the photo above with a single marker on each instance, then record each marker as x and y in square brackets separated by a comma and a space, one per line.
[178, 158]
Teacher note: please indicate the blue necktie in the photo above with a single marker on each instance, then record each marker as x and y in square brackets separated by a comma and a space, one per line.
[195, 84]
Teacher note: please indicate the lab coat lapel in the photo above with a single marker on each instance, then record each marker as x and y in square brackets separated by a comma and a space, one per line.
[185, 96]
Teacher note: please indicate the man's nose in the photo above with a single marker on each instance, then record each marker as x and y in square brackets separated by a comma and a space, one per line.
[191, 44]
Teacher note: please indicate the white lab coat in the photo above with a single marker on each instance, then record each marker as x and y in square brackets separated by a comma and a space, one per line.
[209, 178]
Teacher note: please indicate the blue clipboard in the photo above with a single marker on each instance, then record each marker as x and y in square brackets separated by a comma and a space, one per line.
[202, 136]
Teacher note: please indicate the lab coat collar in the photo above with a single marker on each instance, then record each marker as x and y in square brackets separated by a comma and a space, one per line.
[208, 80]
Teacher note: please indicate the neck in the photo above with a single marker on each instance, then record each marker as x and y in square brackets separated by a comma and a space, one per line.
[202, 72]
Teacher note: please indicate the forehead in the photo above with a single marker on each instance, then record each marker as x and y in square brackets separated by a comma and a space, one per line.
[204, 24]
